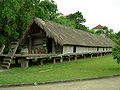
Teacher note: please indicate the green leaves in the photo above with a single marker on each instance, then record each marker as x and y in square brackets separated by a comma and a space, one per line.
[63, 20]
[14, 18]
[2, 39]
[116, 53]
[47, 10]
[78, 19]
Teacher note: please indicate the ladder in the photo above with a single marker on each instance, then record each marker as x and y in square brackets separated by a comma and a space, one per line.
[8, 59]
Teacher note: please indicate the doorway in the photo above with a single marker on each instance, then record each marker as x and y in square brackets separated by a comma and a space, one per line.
[49, 45]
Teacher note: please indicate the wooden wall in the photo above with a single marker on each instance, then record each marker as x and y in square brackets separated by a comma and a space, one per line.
[80, 49]
[40, 44]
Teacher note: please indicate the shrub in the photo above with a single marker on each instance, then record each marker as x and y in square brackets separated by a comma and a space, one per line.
[116, 53]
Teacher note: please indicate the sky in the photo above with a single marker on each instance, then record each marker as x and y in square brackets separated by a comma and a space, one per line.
[103, 12]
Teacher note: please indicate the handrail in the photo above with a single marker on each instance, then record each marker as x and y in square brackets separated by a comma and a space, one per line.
[2, 48]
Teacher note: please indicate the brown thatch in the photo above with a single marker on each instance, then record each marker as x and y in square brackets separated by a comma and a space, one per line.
[69, 36]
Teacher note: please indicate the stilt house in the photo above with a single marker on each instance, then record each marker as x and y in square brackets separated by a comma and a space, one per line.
[45, 37]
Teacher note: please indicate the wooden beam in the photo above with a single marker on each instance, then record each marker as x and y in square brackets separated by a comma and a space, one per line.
[30, 45]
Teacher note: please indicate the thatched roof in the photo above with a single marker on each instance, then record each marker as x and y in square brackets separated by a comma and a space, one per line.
[69, 36]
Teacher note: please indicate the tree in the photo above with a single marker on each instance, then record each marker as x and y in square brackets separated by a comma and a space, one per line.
[78, 19]
[63, 20]
[116, 53]
[99, 32]
[14, 18]
[118, 35]
[116, 49]
[47, 10]
[117, 38]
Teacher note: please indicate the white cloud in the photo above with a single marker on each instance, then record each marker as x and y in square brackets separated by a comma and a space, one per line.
[104, 12]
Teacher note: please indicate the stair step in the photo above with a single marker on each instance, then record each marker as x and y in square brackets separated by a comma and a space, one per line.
[11, 50]
[10, 53]
[5, 66]
[6, 59]
[6, 63]
[14, 42]
[12, 47]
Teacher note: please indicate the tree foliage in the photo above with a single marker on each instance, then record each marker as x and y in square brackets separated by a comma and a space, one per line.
[78, 18]
[14, 18]
[15, 15]
[116, 53]
[63, 20]
[108, 33]
[118, 35]
[46, 10]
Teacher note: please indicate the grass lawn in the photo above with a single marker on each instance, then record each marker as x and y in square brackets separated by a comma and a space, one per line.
[93, 67]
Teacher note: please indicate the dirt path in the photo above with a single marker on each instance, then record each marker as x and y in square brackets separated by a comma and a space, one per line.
[99, 84]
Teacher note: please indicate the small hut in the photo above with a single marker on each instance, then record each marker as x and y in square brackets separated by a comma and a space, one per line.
[45, 37]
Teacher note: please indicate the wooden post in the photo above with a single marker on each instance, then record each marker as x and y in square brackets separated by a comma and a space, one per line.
[24, 63]
[84, 56]
[106, 53]
[53, 47]
[69, 58]
[30, 45]
[54, 61]
[61, 59]
[41, 62]
[91, 56]
[75, 57]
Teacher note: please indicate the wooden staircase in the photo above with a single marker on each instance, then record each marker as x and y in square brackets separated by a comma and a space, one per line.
[8, 59]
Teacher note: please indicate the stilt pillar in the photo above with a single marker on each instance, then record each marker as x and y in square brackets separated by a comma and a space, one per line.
[24, 63]
[54, 61]
[75, 57]
[61, 59]
[41, 62]
[91, 56]
[69, 59]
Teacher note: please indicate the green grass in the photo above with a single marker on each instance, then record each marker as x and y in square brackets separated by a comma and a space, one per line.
[93, 67]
